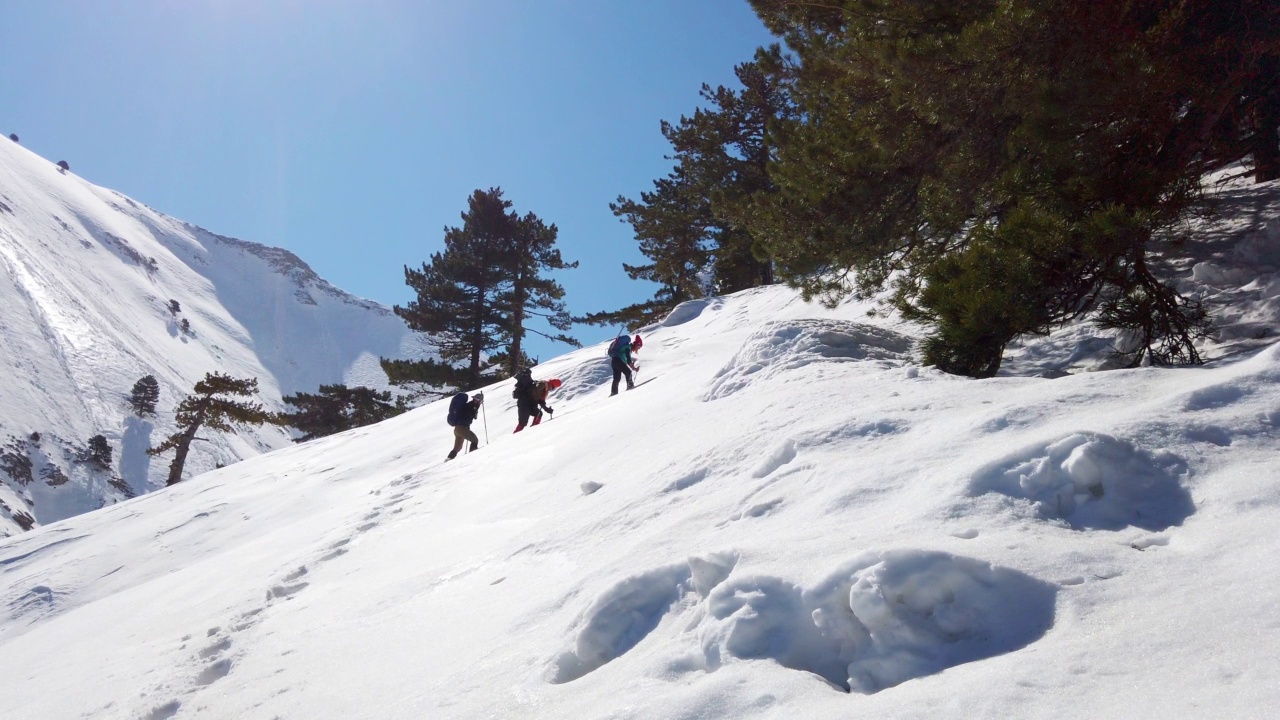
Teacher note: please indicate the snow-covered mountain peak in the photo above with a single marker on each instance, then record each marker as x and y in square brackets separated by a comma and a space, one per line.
[101, 290]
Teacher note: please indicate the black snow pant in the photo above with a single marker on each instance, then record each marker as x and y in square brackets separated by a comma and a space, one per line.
[527, 408]
[461, 434]
[619, 369]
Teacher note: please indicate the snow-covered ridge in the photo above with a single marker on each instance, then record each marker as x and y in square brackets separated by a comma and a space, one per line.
[87, 277]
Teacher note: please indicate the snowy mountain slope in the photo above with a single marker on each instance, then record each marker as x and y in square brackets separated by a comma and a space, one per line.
[86, 279]
[786, 518]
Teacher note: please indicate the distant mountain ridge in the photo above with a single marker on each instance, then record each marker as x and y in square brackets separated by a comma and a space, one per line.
[87, 280]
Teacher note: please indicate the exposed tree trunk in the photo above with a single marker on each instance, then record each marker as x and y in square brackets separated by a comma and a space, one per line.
[1266, 130]
[180, 452]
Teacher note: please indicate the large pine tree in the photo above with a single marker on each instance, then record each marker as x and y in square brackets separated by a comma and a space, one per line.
[213, 405]
[686, 224]
[1008, 166]
[530, 293]
[457, 293]
[478, 296]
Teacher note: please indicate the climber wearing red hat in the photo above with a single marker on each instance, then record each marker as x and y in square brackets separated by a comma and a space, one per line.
[531, 395]
[621, 355]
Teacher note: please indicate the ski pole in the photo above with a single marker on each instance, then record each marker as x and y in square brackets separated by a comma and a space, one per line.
[485, 415]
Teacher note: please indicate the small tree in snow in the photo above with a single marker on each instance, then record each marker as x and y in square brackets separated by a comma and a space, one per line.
[13, 137]
[214, 404]
[185, 326]
[174, 307]
[98, 452]
[63, 166]
[146, 392]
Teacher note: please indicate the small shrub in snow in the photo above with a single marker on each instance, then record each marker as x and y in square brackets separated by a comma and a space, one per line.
[63, 166]
[13, 137]
[98, 453]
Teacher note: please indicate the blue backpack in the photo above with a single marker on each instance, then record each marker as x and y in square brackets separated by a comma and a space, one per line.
[618, 342]
[458, 409]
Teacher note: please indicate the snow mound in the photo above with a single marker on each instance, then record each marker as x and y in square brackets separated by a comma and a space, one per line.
[690, 310]
[788, 345]
[1093, 481]
[622, 616]
[881, 619]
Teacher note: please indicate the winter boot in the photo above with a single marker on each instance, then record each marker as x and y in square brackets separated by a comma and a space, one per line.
[536, 419]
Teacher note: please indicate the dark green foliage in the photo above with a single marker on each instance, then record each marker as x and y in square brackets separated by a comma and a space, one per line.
[98, 453]
[528, 292]
[477, 296]
[335, 409]
[686, 224]
[174, 307]
[185, 326]
[145, 395]
[428, 376]
[214, 405]
[63, 166]
[1009, 166]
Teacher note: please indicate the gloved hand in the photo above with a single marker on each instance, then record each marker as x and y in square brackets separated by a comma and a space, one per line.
[550, 411]
[635, 368]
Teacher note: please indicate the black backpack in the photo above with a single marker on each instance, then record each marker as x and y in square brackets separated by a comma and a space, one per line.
[458, 410]
[524, 384]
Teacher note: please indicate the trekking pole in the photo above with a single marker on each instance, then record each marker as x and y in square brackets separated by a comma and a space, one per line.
[485, 415]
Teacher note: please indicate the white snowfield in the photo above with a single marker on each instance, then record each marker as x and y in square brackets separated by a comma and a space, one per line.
[86, 280]
[787, 518]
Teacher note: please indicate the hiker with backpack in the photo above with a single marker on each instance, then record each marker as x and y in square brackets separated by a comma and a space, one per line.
[531, 397]
[622, 357]
[462, 412]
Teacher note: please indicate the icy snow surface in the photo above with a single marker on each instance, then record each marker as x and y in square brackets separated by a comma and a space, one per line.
[86, 277]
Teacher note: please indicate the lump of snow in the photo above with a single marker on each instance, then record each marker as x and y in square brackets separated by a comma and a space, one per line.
[1093, 481]
[881, 619]
[688, 310]
[781, 346]
[627, 612]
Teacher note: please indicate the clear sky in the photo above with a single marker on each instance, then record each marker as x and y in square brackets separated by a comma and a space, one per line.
[352, 131]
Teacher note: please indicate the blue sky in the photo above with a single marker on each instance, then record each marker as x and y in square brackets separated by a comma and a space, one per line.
[351, 132]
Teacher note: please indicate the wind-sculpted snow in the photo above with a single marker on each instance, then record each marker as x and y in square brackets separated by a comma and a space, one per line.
[1093, 481]
[689, 310]
[880, 620]
[627, 612]
[782, 346]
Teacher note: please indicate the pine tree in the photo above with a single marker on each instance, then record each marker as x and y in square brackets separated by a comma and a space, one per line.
[477, 296]
[98, 452]
[529, 293]
[174, 307]
[335, 409]
[1007, 167]
[686, 225]
[457, 290]
[214, 405]
[145, 394]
